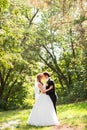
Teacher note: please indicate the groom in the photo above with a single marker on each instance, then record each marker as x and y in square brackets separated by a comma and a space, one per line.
[51, 93]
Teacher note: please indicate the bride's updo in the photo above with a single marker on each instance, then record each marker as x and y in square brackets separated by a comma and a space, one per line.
[39, 77]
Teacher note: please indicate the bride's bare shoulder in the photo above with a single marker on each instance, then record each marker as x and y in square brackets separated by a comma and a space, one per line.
[39, 84]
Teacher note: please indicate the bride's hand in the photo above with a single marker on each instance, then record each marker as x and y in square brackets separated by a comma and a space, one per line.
[46, 84]
[43, 91]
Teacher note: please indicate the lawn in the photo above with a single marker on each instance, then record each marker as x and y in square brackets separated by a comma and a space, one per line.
[71, 116]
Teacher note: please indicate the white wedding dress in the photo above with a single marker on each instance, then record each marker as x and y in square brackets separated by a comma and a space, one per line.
[43, 112]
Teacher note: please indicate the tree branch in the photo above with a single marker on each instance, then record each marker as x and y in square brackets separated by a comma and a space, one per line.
[31, 20]
[58, 70]
[30, 23]
[9, 71]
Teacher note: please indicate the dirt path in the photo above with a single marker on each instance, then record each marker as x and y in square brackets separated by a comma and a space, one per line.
[66, 127]
[62, 127]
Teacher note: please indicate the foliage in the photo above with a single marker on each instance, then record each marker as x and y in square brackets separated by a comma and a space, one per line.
[61, 37]
[37, 36]
[4, 4]
[15, 69]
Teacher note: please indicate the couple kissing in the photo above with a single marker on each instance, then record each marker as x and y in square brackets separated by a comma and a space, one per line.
[43, 112]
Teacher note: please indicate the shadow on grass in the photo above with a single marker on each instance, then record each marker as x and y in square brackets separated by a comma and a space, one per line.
[33, 127]
[30, 127]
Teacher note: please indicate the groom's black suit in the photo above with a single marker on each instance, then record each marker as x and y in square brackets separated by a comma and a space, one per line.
[51, 92]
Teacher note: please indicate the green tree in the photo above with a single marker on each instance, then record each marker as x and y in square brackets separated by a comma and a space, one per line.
[15, 63]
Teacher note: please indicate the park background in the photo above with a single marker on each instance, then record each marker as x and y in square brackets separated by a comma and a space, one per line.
[37, 36]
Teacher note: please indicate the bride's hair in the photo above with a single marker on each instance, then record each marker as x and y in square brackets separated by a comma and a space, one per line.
[39, 77]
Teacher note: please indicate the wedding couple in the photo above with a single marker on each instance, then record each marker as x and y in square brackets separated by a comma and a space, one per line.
[44, 110]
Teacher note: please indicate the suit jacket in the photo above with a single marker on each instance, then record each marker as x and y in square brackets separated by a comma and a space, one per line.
[51, 92]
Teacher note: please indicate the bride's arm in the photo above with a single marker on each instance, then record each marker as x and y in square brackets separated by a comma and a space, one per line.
[41, 88]
[44, 91]
[51, 87]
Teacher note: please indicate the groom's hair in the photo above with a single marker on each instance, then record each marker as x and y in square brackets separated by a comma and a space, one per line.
[46, 74]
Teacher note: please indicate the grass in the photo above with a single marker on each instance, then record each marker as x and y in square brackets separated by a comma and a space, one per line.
[73, 115]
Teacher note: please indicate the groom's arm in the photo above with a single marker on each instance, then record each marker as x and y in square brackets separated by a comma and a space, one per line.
[47, 90]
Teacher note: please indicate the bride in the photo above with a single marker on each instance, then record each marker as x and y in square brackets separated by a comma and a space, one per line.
[43, 112]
